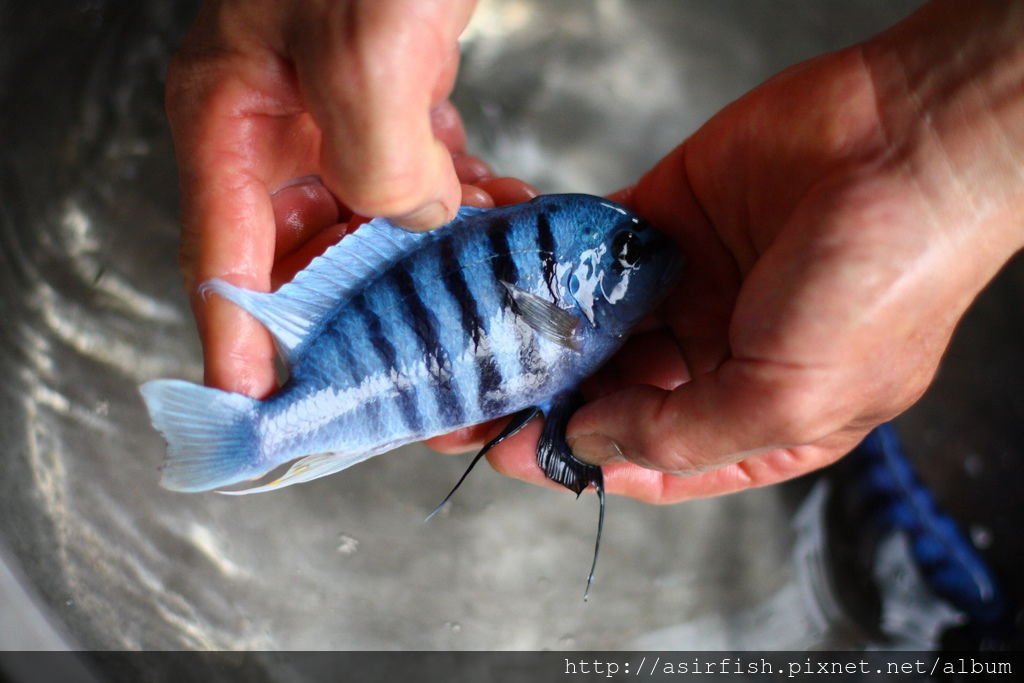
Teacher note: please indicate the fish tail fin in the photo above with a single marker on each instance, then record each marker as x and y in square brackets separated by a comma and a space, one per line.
[211, 434]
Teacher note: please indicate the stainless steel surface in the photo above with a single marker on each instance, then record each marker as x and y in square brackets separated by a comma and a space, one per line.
[579, 96]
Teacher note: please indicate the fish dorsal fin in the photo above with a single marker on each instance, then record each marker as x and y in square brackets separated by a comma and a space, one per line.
[297, 308]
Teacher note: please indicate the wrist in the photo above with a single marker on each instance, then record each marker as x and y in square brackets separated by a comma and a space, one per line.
[949, 84]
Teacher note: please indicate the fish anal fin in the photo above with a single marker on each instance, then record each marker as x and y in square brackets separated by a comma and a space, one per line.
[306, 468]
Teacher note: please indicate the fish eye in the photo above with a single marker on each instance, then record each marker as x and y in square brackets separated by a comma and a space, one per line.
[627, 249]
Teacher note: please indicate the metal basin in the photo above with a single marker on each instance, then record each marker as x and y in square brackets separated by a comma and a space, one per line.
[574, 96]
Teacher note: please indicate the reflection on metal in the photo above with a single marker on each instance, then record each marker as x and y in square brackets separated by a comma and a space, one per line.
[572, 95]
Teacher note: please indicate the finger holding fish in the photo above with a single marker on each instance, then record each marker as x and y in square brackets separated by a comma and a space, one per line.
[318, 234]
[648, 358]
[309, 218]
[380, 107]
[651, 358]
[517, 459]
[270, 130]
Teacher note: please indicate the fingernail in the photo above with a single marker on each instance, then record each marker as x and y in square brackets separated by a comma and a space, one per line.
[296, 182]
[432, 215]
[596, 449]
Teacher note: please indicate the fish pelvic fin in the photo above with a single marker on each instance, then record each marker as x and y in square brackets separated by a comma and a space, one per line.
[559, 464]
[599, 487]
[211, 434]
[553, 453]
[518, 421]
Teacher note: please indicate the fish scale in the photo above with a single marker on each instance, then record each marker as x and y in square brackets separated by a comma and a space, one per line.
[414, 410]
[392, 337]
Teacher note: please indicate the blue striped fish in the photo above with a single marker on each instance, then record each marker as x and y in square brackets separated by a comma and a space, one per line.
[392, 337]
[889, 492]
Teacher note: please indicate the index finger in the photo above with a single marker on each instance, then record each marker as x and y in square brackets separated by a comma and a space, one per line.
[372, 72]
[228, 228]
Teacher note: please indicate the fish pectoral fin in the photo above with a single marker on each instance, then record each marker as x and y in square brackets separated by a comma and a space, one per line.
[545, 318]
[559, 464]
[518, 421]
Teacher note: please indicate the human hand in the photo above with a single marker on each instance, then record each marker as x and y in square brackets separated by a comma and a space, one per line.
[837, 221]
[291, 118]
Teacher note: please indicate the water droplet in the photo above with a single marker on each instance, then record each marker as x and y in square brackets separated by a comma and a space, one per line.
[453, 626]
[568, 640]
[347, 545]
[981, 536]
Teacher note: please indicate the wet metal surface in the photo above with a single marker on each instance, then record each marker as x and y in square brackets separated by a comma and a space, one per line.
[575, 96]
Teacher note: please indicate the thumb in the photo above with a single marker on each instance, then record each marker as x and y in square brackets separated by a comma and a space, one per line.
[371, 75]
[742, 409]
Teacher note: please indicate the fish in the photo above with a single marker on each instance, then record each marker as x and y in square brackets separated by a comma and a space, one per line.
[392, 337]
[883, 489]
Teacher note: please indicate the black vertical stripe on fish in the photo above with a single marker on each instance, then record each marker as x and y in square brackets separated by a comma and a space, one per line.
[387, 355]
[426, 328]
[503, 265]
[454, 281]
[489, 379]
[505, 270]
[546, 242]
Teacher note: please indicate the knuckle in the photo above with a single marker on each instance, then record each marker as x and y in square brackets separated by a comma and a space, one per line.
[354, 42]
[663, 447]
[797, 414]
[384, 190]
[660, 454]
[670, 456]
[200, 84]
